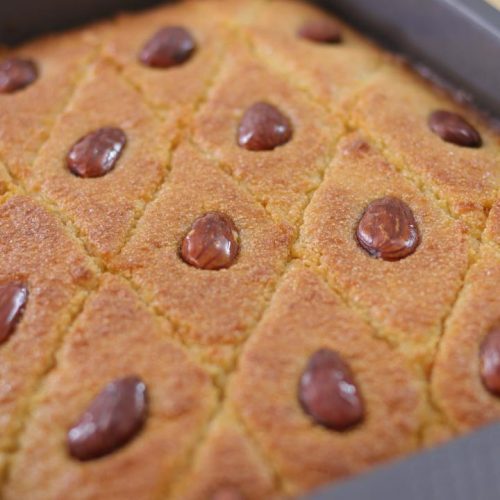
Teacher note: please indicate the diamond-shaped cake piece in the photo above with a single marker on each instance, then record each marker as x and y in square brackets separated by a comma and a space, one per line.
[116, 336]
[457, 385]
[104, 208]
[28, 114]
[179, 86]
[406, 298]
[38, 255]
[320, 53]
[211, 307]
[394, 112]
[279, 178]
[305, 317]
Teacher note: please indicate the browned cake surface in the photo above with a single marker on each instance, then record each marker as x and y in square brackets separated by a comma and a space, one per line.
[233, 341]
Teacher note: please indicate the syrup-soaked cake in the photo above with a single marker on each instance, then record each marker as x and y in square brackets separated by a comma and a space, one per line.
[244, 253]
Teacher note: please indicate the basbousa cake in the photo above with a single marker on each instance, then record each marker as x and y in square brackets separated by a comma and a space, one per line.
[244, 253]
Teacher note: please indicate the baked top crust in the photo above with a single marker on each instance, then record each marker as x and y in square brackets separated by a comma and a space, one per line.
[280, 238]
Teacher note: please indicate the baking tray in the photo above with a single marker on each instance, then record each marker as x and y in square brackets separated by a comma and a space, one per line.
[467, 468]
[24, 19]
[458, 43]
[455, 42]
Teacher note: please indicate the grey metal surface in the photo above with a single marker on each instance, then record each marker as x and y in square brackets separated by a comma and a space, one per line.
[465, 469]
[457, 39]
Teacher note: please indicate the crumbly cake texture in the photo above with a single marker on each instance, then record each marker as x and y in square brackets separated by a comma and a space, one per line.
[223, 350]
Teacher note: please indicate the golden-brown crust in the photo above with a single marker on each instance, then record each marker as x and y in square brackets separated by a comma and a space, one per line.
[36, 251]
[456, 384]
[393, 111]
[222, 351]
[227, 460]
[406, 299]
[104, 209]
[182, 86]
[280, 179]
[115, 336]
[212, 308]
[304, 317]
[330, 72]
[492, 230]
[27, 116]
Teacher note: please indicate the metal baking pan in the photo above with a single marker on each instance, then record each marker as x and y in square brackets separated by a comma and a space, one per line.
[455, 41]
[467, 468]
[458, 40]
[24, 19]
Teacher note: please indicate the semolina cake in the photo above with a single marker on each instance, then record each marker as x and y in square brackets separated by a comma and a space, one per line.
[244, 253]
